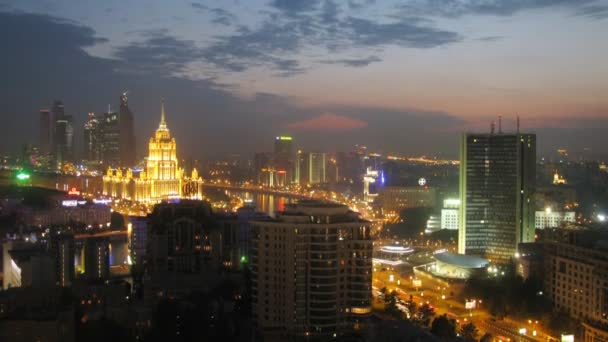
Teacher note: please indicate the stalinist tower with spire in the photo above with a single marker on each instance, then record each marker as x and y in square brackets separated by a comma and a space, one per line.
[162, 178]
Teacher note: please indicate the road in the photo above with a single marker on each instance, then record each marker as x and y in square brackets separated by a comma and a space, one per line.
[440, 296]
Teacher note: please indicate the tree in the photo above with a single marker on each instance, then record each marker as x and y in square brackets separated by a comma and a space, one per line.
[469, 332]
[444, 328]
[390, 304]
[424, 315]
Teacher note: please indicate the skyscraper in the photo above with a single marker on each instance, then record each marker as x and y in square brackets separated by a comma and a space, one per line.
[109, 132]
[316, 168]
[311, 271]
[97, 258]
[283, 159]
[497, 184]
[63, 138]
[45, 137]
[92, 140]
[62, 249]
[127, 135]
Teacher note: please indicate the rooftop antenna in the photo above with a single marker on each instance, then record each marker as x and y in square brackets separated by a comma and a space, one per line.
[518, 124]
[109, 108]
[500, 124]
[492, 127]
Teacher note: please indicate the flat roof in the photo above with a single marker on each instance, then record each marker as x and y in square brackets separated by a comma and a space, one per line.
[462, 260]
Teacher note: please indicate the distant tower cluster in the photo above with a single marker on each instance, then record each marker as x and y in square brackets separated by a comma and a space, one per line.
[109, 139]
[56, 134]
[161, 179]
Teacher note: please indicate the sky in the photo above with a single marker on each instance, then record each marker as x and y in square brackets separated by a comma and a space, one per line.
[400, 76]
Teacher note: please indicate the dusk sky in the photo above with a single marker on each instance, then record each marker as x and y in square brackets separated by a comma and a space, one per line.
[404, 76]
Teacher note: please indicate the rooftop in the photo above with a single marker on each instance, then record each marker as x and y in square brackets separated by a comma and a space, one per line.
[462, 260]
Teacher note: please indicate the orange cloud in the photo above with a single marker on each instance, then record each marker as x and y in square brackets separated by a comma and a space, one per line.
[328, 122]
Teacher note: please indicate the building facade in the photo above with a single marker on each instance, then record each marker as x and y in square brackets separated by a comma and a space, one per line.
[396, 198]
[162, 178]
[283, 160]
[126, 133]
[316, 168]
[45, 137]
[91, 140]
[97, 258]
[553, 219]
[63, 137]
[576, 277]
[497, 184]
[312, 271]
[449, 214]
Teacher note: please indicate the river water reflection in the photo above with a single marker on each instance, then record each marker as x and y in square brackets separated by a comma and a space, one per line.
[265, 203]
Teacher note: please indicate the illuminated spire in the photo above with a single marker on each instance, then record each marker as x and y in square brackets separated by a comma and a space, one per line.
[163, 123]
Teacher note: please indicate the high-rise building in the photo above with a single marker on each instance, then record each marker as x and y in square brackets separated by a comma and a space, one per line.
[127, 133]
[497, 184]
[63, 137]
[300, 168]
[45, 137]
[62, 249]
[109, 131]
[97, 258]
[316, 168]
[91, 142]
[311, 271]
[262, 169]
[162, 179]
[184, 247]
[283, 160]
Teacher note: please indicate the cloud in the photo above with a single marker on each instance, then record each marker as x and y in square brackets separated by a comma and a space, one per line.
[406, 33]
[295, 7]
[219, 15]
[328, 122]
[223, 17]
[160, 53]
[597, 12]
[279, 41]
[457, 8]
[354, 62]
[490, 38]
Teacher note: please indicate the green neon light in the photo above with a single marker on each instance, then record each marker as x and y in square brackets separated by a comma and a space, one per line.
[284, 138]
[23, 176]
[243, 259]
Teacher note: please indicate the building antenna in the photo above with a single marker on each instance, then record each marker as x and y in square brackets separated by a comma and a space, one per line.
[518, 124]
[500, 124]
[109, 108]
[492, 127]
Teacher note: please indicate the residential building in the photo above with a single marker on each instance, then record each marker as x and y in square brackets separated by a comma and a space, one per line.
[312, 271]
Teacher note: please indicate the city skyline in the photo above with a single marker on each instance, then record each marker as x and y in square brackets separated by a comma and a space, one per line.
[404, 77]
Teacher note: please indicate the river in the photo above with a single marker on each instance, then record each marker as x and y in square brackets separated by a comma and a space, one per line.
[265, 203]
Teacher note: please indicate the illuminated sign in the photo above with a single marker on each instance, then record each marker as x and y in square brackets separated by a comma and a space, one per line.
[74, 192]
[567, 338]
[102, 201]
[422, 181]
[72, 203]
[469, 305]
[361, 311]
[23, 176]
[284, 138]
